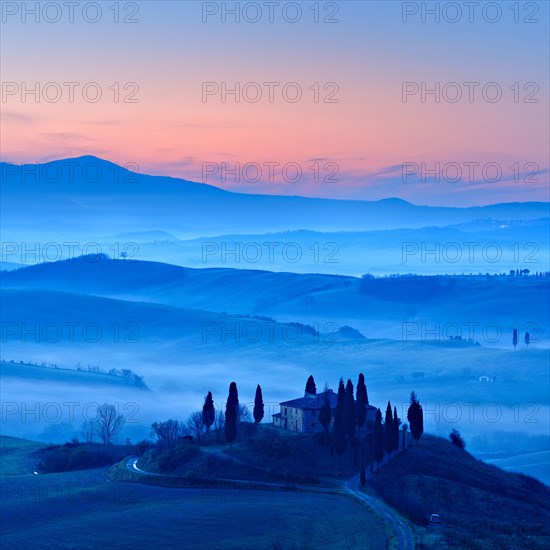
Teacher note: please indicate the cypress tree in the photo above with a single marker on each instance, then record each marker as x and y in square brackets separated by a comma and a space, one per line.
[415, 416]
[339, 425]
[515, 338]
[258, 405]
[361, 402]
[310, 385]
[420, 416]
[325, 414]
[411, 411]
[527, 339]
[396, 422]
[378, 438]
[208, 412]
[231, 413]
[350, 421]
[349, 412]
[369, 449]
[388, 430]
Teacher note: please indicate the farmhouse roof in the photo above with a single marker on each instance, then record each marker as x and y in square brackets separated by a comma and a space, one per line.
[315, 401]
[312, 401]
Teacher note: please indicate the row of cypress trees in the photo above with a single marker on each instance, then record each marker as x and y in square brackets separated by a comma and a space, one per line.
[350, 416]
[385, 435]
[232, 411]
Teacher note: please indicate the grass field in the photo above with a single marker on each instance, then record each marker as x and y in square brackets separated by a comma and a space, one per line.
[14, 456]
[84, 510]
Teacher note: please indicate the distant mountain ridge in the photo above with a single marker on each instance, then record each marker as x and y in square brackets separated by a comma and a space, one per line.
[85, 173]
[75, 195]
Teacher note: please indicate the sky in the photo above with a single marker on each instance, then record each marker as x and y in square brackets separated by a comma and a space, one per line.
[148, 80]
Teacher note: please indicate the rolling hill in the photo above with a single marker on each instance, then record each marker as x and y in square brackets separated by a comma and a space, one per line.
[398, 308]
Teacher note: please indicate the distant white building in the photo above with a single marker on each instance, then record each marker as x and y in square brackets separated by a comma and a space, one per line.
[486, 378]
[302, 414]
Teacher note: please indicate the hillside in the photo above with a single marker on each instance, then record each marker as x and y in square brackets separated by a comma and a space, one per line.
[480, 505]
[42, 374]
[260, 453]
[30, 317]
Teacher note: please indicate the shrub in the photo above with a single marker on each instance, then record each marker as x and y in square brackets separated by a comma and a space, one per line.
[68, 458]
[143, 446]
[177, 456]
[457, 439]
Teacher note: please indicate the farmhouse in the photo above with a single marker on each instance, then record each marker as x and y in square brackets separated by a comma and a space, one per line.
[302, 414]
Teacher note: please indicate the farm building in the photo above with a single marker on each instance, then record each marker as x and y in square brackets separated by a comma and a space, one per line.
[302, 414]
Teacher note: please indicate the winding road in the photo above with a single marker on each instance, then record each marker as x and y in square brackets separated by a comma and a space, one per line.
[400, 527]
[351, 488]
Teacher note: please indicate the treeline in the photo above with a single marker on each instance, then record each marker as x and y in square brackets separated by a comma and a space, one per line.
[412, 288]
[384, 439]
[450, 277]
[132, 377]
[527, 273]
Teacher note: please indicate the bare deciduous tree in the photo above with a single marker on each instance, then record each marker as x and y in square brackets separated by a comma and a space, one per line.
[195, 424]
[167, 432]
[244, 414]
[219, 424]
[88, 430]
[108, 423]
